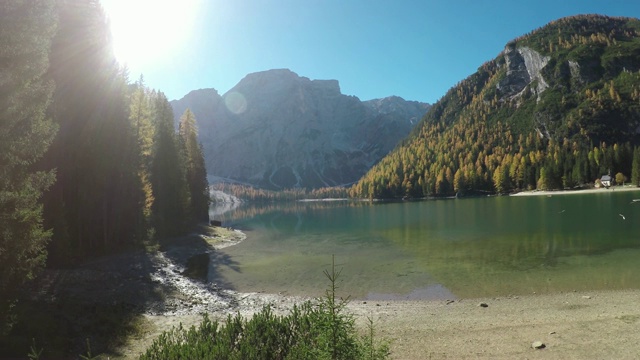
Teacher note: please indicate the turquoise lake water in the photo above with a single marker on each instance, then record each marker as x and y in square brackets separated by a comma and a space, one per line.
[438, 249]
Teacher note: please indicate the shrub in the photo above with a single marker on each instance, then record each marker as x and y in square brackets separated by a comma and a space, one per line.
[319, 329]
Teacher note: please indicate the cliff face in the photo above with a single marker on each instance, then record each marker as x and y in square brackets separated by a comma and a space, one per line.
[277, 130]
[524, 66]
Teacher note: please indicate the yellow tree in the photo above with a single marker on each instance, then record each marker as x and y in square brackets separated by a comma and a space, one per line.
[196, 173]
[140, 116]
[459, 183]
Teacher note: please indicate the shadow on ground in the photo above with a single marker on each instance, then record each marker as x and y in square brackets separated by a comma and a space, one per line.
[102, 302]
[200, 260]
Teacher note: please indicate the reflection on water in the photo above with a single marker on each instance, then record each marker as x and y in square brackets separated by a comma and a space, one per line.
[250, 210]
[441, 249]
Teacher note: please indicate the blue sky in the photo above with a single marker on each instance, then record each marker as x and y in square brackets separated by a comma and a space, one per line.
[413, 49]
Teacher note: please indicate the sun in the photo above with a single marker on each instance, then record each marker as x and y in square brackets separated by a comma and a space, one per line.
[146, 32]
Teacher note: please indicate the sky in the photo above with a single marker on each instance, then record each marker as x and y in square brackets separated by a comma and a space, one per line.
[417, 50]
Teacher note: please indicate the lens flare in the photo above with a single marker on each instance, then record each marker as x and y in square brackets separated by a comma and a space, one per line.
[235, 102]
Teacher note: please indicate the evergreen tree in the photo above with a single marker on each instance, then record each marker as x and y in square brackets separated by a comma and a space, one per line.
[141, 120]
[168, 176]
[501, 180]
[197, 184]
[26, 30]
[543, 180]
[92, 206]
[459, 182]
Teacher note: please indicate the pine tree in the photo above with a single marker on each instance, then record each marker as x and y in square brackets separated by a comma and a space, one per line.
[141, 120]
[501, 179]
[92, 206]
[543, 180]
[168, 176]
[195, 169]
[459, 182]
[26, 30]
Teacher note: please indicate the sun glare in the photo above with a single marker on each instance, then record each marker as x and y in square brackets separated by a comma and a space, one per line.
[146, 32]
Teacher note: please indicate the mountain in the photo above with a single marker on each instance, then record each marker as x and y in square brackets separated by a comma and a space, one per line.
[278, 130]
[557, 108]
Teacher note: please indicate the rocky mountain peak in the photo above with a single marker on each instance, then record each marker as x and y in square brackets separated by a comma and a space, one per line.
[276, 129]
[398, 108]
[283, 80]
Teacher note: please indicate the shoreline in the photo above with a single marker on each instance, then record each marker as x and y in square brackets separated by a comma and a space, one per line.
[153, 288]
[576, 192]
[569, 324]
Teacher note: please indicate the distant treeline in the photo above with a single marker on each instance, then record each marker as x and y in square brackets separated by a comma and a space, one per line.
[250, 193]
[89, 163]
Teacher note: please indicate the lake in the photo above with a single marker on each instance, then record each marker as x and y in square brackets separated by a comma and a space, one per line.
[437, 249]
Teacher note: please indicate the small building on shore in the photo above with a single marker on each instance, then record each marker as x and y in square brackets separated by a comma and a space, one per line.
[606, 180]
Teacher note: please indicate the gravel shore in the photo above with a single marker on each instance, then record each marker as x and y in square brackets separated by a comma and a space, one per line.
[593, 325]
[576, 192]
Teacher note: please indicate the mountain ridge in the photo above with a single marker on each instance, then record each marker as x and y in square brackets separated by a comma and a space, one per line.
[277, 130]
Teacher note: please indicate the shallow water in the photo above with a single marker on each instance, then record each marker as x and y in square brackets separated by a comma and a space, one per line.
[438, 249]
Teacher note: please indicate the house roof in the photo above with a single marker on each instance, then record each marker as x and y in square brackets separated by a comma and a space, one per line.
[606, 178]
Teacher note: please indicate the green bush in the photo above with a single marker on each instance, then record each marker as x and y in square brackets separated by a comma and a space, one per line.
[319, 329]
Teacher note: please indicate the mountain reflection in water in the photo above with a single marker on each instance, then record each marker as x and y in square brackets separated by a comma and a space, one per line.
[462, 248]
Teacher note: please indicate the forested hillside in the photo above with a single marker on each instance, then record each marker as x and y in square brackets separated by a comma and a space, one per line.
[558, 108]
[89, 163]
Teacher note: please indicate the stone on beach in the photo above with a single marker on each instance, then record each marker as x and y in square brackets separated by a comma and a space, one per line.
[538, 345]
